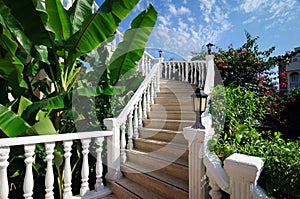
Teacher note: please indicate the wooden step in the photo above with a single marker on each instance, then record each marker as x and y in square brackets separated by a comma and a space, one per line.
[165, 150]
[172, 107]
[171, 100]
[174, 125]
[172, 115]
[125, 188]
[148, 163]
[171, 94]
[166, 190]
[162, 135]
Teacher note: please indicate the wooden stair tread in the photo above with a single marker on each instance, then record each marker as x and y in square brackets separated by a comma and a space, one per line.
[135, 189]
[161, 176]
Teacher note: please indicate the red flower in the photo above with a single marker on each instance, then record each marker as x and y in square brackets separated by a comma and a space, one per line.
[282, 74]
[283, 84]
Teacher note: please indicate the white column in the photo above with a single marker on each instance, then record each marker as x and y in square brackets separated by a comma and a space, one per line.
[174, 70]
[148, 98]
[85, 166]
[140, 113]
[49, 179]
[136, 121]
[186, 71]
[28, 181]
[151, 92]
[123, 143]
[130, 131]
[67, 169]
[99, 167]
[215, 191]
[113, 150]
[145, 104]
[243, 171]
[210, 74]
[195, 137]
[4, 155]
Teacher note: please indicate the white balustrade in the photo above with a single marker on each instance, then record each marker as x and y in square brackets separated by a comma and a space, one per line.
[29, 143]
[145, 105]
[123, 143]
[130, 131]
[140, 113]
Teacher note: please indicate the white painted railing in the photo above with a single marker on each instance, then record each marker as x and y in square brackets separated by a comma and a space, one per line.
[193, 72]
[49, 142]
[130, 119]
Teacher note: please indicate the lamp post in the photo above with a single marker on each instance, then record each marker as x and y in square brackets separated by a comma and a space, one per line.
[199, 99]
[209, 45]
[160, 53]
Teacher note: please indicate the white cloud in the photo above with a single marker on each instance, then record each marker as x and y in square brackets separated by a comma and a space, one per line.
[180, 11]
[184, 10]
[165, 20]
[191, 19]
[172, 9]
[250, 20]
[273, 12]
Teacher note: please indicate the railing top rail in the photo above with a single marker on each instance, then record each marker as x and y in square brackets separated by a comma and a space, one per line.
[134, 99]
[146, 53]
[183, 61]
[6, 142]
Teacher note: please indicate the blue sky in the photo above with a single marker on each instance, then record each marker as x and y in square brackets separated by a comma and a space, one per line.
[186, 25]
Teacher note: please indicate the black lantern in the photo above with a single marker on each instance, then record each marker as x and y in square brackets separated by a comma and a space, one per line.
[199, 104]
[209, 45]
[160, 53]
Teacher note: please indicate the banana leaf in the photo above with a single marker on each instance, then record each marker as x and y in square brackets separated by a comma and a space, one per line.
[97, 27]
[78, 12]
[58, 19]
[131, 49]
[11, 124]
[34, 19]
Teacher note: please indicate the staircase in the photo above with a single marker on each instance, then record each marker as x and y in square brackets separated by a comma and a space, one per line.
[157, 167]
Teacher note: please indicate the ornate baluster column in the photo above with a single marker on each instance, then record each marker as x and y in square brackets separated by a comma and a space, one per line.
[130, 131]
[4, 155]
[195, 72]
[145, 104]
[49, 180]
[148, 98]
[140, 113]
[186, 71]
[99, 167]
[67, 169]
[152, 92]
[166, 70]
[170, 70]
[136, 122]
[28, 181]
[123, 143]
[85, 166]
[215, 192]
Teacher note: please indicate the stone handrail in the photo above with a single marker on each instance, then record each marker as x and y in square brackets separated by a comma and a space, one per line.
[49, 142]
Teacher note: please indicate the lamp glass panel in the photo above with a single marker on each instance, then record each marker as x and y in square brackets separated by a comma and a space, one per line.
[203, 104]
[196, 103]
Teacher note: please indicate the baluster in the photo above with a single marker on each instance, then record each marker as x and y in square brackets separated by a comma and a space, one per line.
[140, 113]
[148, 98]
[142, 69]
[145, 104]
[99, 168]
[174, 71]
[85, 166]
[166, 70]
[152, 92]
[4, 155]
[67, 170]
[130, 131]
[195, 73]
[215, 192]
[49, 180]
[170, 70]
[135, 122]
[179, 71]
[200, 75]
[204, 72]
[28, 181]
[123, 143]
[186, 71]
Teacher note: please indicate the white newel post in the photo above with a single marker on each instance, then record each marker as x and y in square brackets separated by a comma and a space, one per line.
[113, 150]
[195, 137]
[210, 74]
[4, 155]
[243, 171]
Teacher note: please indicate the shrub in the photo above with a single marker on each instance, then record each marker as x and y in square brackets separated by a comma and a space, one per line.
[243, 111]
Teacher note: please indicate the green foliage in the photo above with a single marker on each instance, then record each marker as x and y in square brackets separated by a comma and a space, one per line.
[281, 157]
